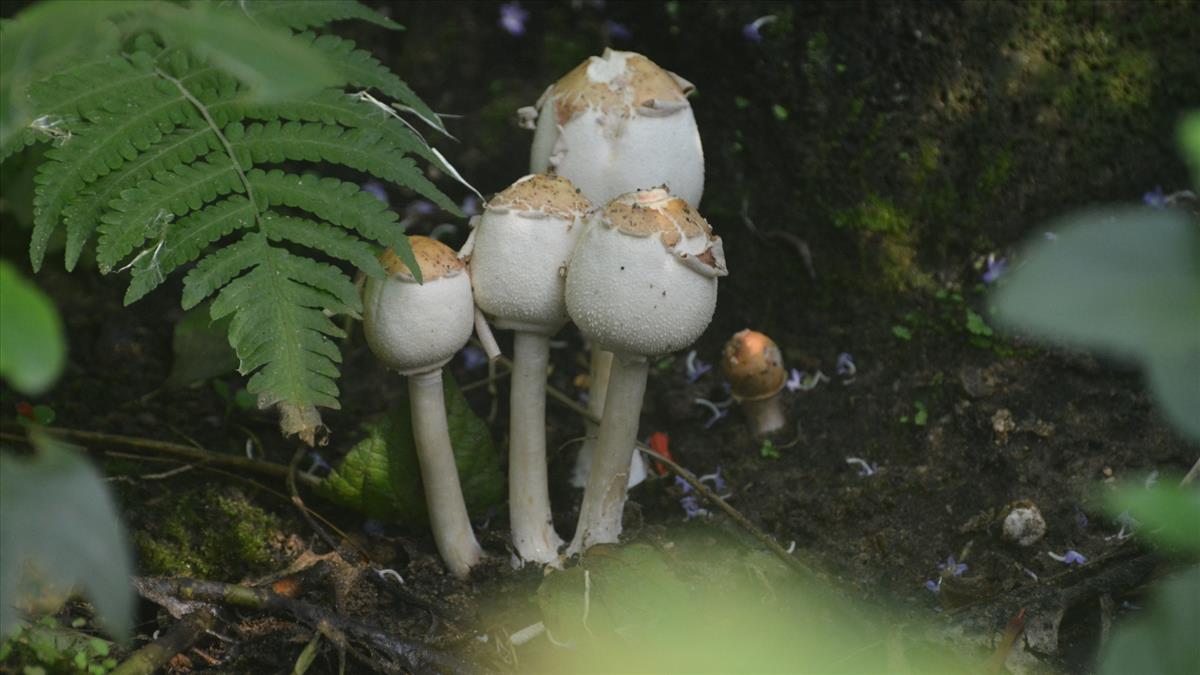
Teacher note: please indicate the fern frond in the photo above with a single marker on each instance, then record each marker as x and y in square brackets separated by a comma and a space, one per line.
[220, 267]
[148, 209]
[279, 328]
[82, 213]
[185, 240]
[103, 85]
[342, 204]
[361, 149]
[361, 69]
[100, 149]
[318, 237]
[304, 14]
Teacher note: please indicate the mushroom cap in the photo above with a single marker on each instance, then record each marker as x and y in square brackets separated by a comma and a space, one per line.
[415, 328]
[618, 123]
[753, 365]
[523, 241]
[643, 278]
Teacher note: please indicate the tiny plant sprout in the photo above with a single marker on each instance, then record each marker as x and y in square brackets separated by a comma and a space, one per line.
[521, 245]
[618, 123]
[416, 329]
[642, 282]
[753, 364]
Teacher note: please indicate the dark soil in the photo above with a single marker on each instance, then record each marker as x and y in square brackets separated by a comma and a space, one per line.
[882, 151]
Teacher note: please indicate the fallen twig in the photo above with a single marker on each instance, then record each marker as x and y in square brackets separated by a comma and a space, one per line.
[182, 635]
[392, 654]
[194, 454]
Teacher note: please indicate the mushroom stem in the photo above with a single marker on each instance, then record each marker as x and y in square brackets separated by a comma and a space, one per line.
[528, 491]
[604, 497]
[597, 392]
[443, 494]
[764, 416]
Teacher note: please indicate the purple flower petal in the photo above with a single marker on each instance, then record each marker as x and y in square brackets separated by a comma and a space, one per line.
[617, 31]
[845, 365]
[795, 380]
[933, 587]
[473, 357]
[996, 267]
[377, 190]
[513, 17]
[1155, 199]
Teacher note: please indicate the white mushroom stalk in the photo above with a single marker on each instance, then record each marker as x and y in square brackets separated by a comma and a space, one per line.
[642, 282]
[416, 329]
[521, 245]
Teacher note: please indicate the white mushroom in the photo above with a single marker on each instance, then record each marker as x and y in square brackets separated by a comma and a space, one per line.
[615, 124]
[618, 123]
[415, 329]
[521, 246]
[642, 282]
[753, 365]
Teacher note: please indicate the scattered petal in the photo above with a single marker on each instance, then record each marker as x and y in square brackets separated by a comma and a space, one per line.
[865, 468]
[753, 30]
[795, 378]
[716, 480]
[513, 17]
[845, 365]
[376, 189]
[1155, 198]
[473, 357]
[691, 507]
[470, 205]
[932, 586]
[695, 367]
[953, 567]
[617, 31]
[1071, 557]
[996, 267]
[717, 411]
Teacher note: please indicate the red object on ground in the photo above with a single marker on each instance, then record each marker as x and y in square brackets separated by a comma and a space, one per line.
[660, 443]
[25, 410]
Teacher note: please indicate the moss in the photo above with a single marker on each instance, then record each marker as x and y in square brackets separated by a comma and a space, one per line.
[210, 534]
[874, 214]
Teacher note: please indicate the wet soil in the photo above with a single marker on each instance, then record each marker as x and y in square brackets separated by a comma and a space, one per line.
[863, 160]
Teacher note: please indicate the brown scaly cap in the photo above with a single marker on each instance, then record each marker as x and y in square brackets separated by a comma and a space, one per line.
[642, 83]
[553, 195]
[655, 211]
[753, 365]
[436, 260]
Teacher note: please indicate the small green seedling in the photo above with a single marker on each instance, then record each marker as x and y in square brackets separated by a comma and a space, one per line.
[768, 450]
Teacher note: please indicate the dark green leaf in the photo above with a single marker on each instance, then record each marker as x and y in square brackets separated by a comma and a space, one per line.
[1169, 515]
[57, 515]
[1163, 640]
[32, 345]
[381, 477]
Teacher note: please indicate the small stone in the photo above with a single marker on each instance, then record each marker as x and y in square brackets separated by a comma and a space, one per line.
[1024, 524]
[1003, 424]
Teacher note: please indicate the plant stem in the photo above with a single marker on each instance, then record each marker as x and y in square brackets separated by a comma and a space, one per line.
[597, 393]
[439, 475]
[604, 497]
[528, 487]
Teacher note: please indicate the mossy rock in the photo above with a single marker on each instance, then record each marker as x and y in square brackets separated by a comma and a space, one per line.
[209, 533]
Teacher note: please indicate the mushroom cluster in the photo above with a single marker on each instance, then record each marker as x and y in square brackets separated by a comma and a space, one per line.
[637, 274]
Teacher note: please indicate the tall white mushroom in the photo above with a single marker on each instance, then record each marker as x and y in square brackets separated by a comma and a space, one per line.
[642, 282]
[521, 245]
[415, 329]
[616, 123]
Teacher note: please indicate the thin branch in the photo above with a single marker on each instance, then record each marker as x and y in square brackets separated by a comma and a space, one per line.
[155, 655]
[175, 450]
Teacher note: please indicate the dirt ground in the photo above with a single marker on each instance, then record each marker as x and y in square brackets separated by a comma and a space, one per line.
[863, 161]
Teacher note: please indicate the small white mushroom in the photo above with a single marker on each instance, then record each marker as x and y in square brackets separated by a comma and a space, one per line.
[1024, 524]
[415, 329]
[753, 365]
[521, 246]
[642, 282]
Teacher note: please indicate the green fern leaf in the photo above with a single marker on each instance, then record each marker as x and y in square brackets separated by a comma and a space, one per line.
[361, 149]
[100, 149]
[319, 237]
[147, 210]
[82, 214]
[359, 68]
[103, 85]
[330, 199]
[302, 14]
[183, 242]
[280, 332]
[220, 267]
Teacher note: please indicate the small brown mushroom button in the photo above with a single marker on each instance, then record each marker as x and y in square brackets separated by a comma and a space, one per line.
[753, 365]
